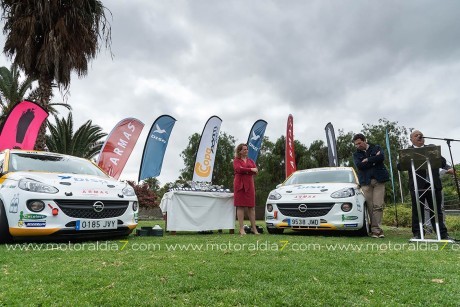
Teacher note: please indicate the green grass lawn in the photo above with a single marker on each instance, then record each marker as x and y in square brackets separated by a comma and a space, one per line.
[227, 270]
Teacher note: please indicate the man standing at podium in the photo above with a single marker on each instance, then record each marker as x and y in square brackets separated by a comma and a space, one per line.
[418, 141]
[372, 176]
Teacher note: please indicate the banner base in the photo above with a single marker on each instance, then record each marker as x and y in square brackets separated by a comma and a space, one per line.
[432, 240]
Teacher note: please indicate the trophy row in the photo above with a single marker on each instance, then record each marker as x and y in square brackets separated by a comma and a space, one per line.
[199, 186]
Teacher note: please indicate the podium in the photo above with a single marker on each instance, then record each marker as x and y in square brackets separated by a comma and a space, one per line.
[412, 160]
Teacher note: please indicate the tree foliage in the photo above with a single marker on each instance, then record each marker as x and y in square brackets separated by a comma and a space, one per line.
[223, 167]
[146, 197]
[12, 90]
[345, 146]
[49, 40]
[398, 139]
[271, 158]
[85, 142]
[271, 168]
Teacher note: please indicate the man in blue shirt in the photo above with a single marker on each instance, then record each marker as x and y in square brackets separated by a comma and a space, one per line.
[372, 176]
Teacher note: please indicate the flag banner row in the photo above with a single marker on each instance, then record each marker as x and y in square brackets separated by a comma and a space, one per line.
[119, 145]
[331, 145]
[387, 143]
[289, 155]
[255, 139]
[155, 147]
[206, 154]
[21, 126]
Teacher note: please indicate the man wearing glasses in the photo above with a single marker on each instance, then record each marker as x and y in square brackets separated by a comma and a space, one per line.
[418, 141]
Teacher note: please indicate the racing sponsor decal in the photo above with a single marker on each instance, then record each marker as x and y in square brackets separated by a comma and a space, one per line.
[33, 216]
[350, 225]
[21, 222]
[14, 204]
[80, 179]
[303, 187]
[304, 196]
[349, 217]
[91, 180]
[358, 205]
[94, 192]
[35, 224]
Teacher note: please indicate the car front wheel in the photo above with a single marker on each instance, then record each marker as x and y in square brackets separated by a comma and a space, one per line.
[5, 236]
[366, 229]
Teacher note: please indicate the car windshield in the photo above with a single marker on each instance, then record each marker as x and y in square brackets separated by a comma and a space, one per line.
[340, 176]
[52, 163]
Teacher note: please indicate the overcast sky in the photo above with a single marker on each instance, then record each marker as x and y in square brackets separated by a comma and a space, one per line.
[345, 62]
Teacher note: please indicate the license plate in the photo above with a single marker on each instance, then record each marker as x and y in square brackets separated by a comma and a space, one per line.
[96, 224]
[304, 222]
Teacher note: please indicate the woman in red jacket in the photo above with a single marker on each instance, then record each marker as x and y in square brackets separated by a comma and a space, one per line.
[243, 187]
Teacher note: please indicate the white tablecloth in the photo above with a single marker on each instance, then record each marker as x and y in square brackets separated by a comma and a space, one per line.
[198, 211]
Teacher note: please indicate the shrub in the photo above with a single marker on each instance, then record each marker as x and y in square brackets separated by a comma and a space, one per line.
[405, 217]
[145, 196]
[404, 213]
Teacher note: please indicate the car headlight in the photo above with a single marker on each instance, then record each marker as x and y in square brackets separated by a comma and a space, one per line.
[35, 205]
[128, 191]
[36, 186]
[343, 193]
[346, 207]
[274, 195]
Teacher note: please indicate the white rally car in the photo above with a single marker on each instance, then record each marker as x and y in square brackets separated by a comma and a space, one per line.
[50, 194]
[318, 199]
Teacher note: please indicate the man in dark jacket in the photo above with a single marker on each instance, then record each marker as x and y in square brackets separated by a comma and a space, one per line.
[417, 140]
[372, 176]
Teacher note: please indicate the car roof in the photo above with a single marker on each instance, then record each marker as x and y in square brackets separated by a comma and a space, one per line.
[326, 169]
[38, 152]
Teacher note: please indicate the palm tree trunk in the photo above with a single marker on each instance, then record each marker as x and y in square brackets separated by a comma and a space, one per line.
[45, 94]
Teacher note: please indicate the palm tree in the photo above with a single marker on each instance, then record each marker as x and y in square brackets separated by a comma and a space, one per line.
[85, 142]
[13, 91]
[51, 39]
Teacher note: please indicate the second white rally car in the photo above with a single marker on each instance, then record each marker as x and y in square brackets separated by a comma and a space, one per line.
[327, 198]
[45, 194]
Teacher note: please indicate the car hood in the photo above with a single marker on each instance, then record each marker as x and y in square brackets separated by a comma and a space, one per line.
[73, 181]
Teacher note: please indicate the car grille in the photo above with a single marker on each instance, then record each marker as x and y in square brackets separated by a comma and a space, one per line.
[83, 209]
[313, 209]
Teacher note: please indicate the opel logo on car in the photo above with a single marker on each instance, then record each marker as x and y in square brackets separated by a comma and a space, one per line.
[98, 206]
[302, 207]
